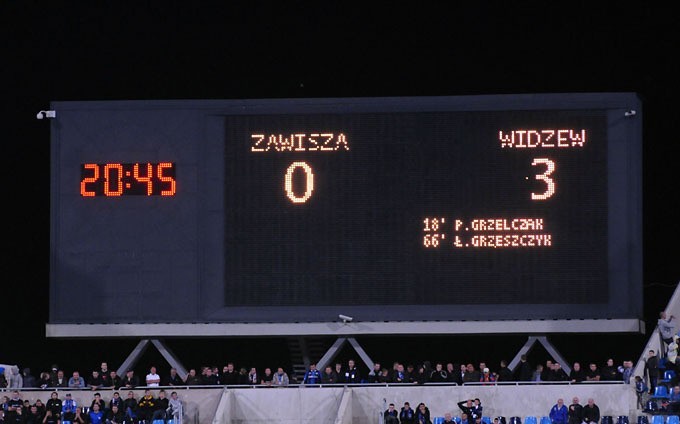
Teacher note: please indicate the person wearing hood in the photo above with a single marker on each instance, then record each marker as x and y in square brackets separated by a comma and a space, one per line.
[29, 379]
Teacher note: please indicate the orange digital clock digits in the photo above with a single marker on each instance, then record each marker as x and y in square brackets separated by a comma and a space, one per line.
[124, 179]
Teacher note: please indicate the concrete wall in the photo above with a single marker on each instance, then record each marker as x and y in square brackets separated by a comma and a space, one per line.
[362, 404]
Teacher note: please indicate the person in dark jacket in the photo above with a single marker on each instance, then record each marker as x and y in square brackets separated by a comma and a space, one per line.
[29, 380]
[591, 412]
[523, 371]
[407, 415]
[575, 412]
[391, 415]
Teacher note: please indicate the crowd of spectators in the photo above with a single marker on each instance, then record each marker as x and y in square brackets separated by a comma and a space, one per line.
[147, 409]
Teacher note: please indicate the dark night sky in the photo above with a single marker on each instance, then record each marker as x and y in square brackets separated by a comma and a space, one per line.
[112, 50]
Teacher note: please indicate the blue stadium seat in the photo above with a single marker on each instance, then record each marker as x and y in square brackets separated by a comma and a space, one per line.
[607, 419]
[458, 420]
[658, 419]
[642, 419]
[673, 419]
[668, 376]
[437, 420]
[530, 419]
[515, 420]
[660, 392]
[545, 420]
[486, 420]
[623, 419]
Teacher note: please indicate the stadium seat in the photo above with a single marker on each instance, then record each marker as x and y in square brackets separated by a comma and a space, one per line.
[486, 420]
[437, 420]
[668, 376]
[530, 419]
[458, 420]
[607, 419]
[642, 419]
[660, 392]
[658, 419]
[673, 419]
[623, 419]
[515, 420]
[545, 420]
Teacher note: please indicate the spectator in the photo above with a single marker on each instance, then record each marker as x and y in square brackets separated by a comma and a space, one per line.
[68, 408]
[652, 369]
[116, 400]
[33, 416]
[60, 380]
[504, 373]
[54, 405]
[575, 412]
[130, 381]
[50, 418]
[96, 414]
[174, 407]
[439, 374]
[79, 417]
[400, 376]
[609, 372]
[16, 381]
[665, 327]
[593, 373]
[640, 391]
[590, 413]
[328, 376]
[229, 375]
[558, 413]
[99, 402]
[558, 373]
[627, 371]
[105, 375]
[523, 371]
[44, 381]
[487, 377]
[76, 381]
[130, 404]
[95, 382]
[174, 379]
[209, 379]
[407, 415]
[471, 374]
[253, 377]
[280, 378]
[577, 374]
[547, 373]
[153, 379]
[146, 406]
[193, 379]
[162, 405]
[312, 376]
[339, 373]
[391, 416]
[384, 376]
[448, 418]
[374, 374]
[454, 376]
[267, 377]
[29, 379]
[114, 380]
[115, 415]
[422, 375]
[673, 406]
[423, 414]
[352, 374]
[243, 376]
[41, 408]
[538, 373]
[466, 407]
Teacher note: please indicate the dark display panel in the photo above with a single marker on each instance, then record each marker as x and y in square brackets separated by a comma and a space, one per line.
[387, 209]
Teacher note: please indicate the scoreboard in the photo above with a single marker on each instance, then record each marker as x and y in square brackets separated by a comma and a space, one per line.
[386, 209]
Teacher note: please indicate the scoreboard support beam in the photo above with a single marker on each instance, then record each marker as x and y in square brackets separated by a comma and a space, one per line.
[164, 350]
[531, 341]
[335, 349]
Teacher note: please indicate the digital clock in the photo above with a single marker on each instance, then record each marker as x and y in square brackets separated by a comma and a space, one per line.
[385, 209]
[123, 179]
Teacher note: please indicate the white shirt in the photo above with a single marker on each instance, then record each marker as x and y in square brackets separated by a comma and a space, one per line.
[153, 380]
